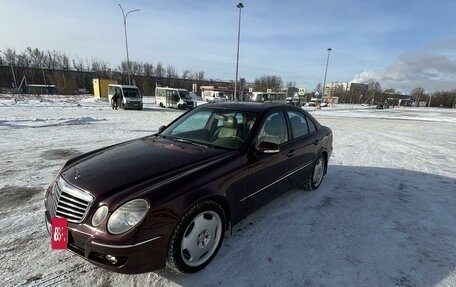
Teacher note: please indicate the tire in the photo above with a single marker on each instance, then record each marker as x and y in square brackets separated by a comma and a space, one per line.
[317, 174]
[161, 105]
[196, 238]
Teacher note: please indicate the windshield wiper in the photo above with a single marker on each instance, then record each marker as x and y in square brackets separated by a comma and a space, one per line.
[189, 142]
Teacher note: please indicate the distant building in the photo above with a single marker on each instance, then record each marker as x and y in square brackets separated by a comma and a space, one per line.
[332, 89]
[358, 88]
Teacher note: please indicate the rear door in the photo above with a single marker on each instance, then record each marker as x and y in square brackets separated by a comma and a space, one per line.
[305, 139]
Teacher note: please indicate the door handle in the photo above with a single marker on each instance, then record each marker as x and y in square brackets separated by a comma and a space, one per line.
[290, 153]
[316, 142]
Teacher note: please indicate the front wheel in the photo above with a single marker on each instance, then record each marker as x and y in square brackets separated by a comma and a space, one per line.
[196, 238]
[316, 177]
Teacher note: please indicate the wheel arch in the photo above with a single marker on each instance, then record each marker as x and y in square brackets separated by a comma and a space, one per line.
[324, 153]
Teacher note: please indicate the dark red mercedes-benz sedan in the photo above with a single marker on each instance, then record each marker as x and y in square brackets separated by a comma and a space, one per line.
[169, 198]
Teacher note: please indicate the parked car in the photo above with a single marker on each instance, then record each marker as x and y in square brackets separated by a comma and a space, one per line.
[295, 101]
[169, 198]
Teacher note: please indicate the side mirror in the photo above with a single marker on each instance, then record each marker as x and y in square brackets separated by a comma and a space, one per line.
[268, 147]
[162, 128]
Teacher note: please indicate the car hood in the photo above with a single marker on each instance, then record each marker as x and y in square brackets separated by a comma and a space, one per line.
[126, 165]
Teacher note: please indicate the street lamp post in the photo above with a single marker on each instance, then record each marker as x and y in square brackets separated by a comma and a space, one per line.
[240, 6]
[326, 71]
[126, 41]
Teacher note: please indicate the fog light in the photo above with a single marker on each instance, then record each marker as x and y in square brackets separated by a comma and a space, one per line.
[111, 259]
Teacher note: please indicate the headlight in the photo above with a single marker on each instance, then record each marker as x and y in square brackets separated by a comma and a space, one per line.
[99, 215]
[127, 216]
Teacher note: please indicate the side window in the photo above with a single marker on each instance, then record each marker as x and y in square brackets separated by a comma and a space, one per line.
[239, 118]
[312, 127]
[274, 129]
[298, 124]
[176, 97]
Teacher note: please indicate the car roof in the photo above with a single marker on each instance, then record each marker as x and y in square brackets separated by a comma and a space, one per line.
[261, 108]
[244, 106]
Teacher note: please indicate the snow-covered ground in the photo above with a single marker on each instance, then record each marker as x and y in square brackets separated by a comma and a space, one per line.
[385, 214]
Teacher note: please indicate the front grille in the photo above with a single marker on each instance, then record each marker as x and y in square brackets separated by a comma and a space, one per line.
[70, 202]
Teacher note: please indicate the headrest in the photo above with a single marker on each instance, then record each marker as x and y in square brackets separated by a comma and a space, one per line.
[295, 121]
[272, 126]
[229, 122]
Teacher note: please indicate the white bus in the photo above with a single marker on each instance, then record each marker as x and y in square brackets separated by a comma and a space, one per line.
[213, 93]
[173, 98]
[129, 96]
[209, 96]
[265, 97]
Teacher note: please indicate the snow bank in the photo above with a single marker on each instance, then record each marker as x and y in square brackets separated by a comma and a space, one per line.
[385, 214]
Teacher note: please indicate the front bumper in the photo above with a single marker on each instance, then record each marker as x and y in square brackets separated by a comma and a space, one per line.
[134, 105]
[140, 257]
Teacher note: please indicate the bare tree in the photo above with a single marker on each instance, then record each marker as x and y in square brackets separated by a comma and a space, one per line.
[159, 70]
[136, 68]
[291, 88]
[417, 93]
[199, 76]
[99, 66]
[51, 60]
[148, 70]
[390, 91]
[64, 62]
[268, 82]
[444, 99]
[36, 57]
[23, 60]
[78, 64]
[186, 74]
[10, 56]
[318, 88]
[171, 72]
[123, 67]
[373, 89]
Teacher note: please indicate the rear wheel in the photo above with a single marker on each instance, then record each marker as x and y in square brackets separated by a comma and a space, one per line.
[316, 177]
[197, 238]
[161, 105]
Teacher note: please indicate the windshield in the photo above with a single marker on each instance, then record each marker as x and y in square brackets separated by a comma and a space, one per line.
[219, 128]
[185, 95]
[131, 93]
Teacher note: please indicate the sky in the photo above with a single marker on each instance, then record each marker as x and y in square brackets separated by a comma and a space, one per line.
[401, 44]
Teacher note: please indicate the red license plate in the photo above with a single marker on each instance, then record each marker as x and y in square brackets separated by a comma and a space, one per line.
[59, 233]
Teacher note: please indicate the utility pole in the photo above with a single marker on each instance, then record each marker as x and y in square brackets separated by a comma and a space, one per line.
[240, 6]
[326, 71]
[126, 40]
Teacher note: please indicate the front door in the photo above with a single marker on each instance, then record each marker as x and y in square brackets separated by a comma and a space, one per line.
[267, 171]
